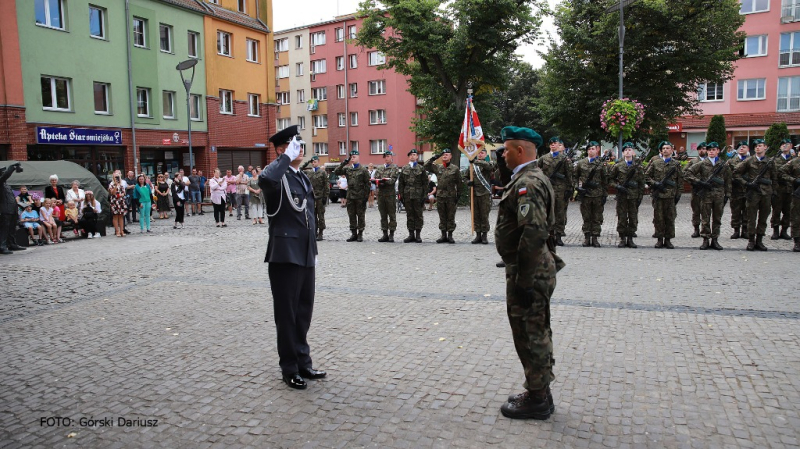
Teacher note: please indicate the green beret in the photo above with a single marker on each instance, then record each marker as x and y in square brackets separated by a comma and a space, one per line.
[315, 158]
[354, 153]
[703, 144]
[757, 141]
[662, 144]
[743, 144]
[786, 141]
[593, 144]
[712, 145]
[413, 151]
[519, 133]
[446, 150]
[628, 145]
[556, 139]
[388, 153]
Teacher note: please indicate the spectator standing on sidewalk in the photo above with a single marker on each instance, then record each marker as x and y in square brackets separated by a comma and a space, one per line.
[144, 198]
[133, 207]
[242, 194]
[230, 191]
[180, 192]
[218, 185]
[203, 181]
[256, 198]
[162, 197]
[116, 198]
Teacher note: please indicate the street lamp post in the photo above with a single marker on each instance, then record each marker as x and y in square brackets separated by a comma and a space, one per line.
[187, 84]
[621, 8]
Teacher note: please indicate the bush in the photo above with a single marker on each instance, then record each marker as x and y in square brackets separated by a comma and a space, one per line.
[773, 137]
[716, 131]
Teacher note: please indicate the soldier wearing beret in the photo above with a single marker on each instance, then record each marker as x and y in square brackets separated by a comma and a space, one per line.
[483, 197]
[702, 154]
[358, 182]
[628, 177]
[591, 175]
[448, 188]
[790, 173]
[322, 188]
[385, 178]
[666, 181]
[522, 236]
[738, 200]
[759, 176]
[558, 168]
[782, 199]
[712, 185]
[413, 186]
[9, 212]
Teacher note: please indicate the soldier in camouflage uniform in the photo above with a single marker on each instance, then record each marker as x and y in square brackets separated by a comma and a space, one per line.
[322, 188]
[448, 187]
[385, 178]
[357, 194]
[483, 196]
[627, 176]
[738, 199]
[759, 192]
[522, 236]
[591, 175]
[790, 173]
[702, 154]
[712, 185]
[413, 187]
[558, 169]
[666, 182]
[782, 199]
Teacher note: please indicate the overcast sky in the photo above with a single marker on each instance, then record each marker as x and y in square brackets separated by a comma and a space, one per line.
[295, 13]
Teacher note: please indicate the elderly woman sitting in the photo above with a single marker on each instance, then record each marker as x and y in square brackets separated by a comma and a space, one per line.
[76, 194]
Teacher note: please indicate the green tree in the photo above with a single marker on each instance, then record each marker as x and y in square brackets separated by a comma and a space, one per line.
[671, 47]
[774, 135]
[444, 47]
[716, 131]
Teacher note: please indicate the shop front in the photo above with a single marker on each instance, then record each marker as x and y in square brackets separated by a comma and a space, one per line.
[232, 158]
[100, 151]
[159, 159]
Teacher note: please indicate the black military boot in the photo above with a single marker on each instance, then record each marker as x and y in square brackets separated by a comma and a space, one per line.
[517, 397]
[595, 243]
[622, 242]
[528, 405]
[796, 245]
[360, 236]
[630, 243]
[587, 241]
[443, 238]
[660, 243]
[477, 238]
[736, 234]
[745, 235]
[391, 236]
[715, 244]
[485, 238]
[751, 245]
[385, 237]
[559, 242]
[450, 237]
[705, 244]
[775, 233]
[785, 233]
[668, 244]
[353, 236]
[418, 237]
[696, 233]
[410, 238]
[760, 243]
[319, 236]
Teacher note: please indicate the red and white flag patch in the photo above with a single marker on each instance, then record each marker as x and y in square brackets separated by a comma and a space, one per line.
[523, 191]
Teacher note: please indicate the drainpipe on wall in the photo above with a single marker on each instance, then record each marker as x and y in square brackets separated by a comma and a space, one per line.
[130, 85]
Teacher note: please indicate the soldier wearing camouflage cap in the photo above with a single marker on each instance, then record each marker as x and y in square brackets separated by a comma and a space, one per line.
[738, 199]
[782, 200]
[357, 194]
[448, 189]
[558, 168]
[322, 188]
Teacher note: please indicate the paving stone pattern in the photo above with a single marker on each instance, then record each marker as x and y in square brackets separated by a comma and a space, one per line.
[654, 348]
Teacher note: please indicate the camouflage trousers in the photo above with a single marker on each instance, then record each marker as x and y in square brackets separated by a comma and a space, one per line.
[697, 208]
[712, 209]
[795, 217]
[480, 213]
[592, 213]
[447, 213]
[664, 214]
[414, 208]
[627, 215]
[356, 211]
[387, 207]
[781, 209]
[738, 210]
[758, 209]
[319, 213]
[529, 316]
[561, 204]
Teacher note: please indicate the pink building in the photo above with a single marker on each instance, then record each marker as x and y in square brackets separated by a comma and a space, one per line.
[339, 91]
[765, 88]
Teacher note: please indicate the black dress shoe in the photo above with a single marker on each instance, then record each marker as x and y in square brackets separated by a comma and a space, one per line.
[295, 381]
[311, 373]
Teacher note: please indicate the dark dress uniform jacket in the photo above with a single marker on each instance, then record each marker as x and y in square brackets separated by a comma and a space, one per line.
[292, 234]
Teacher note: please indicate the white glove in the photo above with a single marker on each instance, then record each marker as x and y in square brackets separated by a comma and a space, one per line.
[294, 149]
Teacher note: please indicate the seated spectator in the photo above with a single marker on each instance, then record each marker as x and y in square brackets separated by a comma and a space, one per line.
[52, 227]
[89, 214]
[23, 199]
[30, 220]
[57, 194]
[71, 213]
[76, 194]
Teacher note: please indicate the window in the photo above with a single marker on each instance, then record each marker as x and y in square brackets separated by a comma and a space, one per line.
[340, 91]
[97, 22]
[283, 71]
[301, 122]
[283, 123]
[755, 45]
[56, 93]
[754, 89]
[49, 13]
[225, 101]
[318, 38]
[342, 148]
[377, 146]
[353, 90]
[282, 97]
[377, 117]
[168, 104]
[252, 50]
[340, 63]
[243, 6]
[298, 41]
[354, 119]
[281, 45]
[320, 148]
[165, 33]
[353, 145]
[223, 43]
[254, 106]
[320, 121]
[351, 31]
[750, 6]
[301, 95]
[339, 34]
[353, 61]
[789, 54]
[319, 93]
[342, 119]
[377, 87]
[101, 105]
[195, 111]
[790, 11]
[142, 102]
[789, 94]
[194, 38]
[319, 66]
[710, 92]
[376, 58]
[139, 32]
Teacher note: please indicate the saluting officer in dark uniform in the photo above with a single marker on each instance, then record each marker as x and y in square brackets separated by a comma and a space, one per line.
[9, 212]
[291, 254]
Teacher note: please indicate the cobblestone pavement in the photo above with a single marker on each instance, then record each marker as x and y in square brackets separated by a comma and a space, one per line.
[654, 348]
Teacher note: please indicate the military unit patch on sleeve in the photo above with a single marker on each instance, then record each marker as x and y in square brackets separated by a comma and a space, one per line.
[523, 191]
[524, 209]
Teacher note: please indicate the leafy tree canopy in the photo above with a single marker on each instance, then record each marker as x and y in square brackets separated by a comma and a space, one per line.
[774, 136]
[717, 132]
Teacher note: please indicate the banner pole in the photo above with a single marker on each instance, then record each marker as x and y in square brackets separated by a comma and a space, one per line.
[472, 196]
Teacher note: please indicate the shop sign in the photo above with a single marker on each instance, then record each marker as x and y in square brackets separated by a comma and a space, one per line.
[675, 127]
[166, 142]
[77, 136]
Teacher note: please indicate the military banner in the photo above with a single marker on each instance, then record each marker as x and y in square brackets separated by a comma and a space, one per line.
[471, 140]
